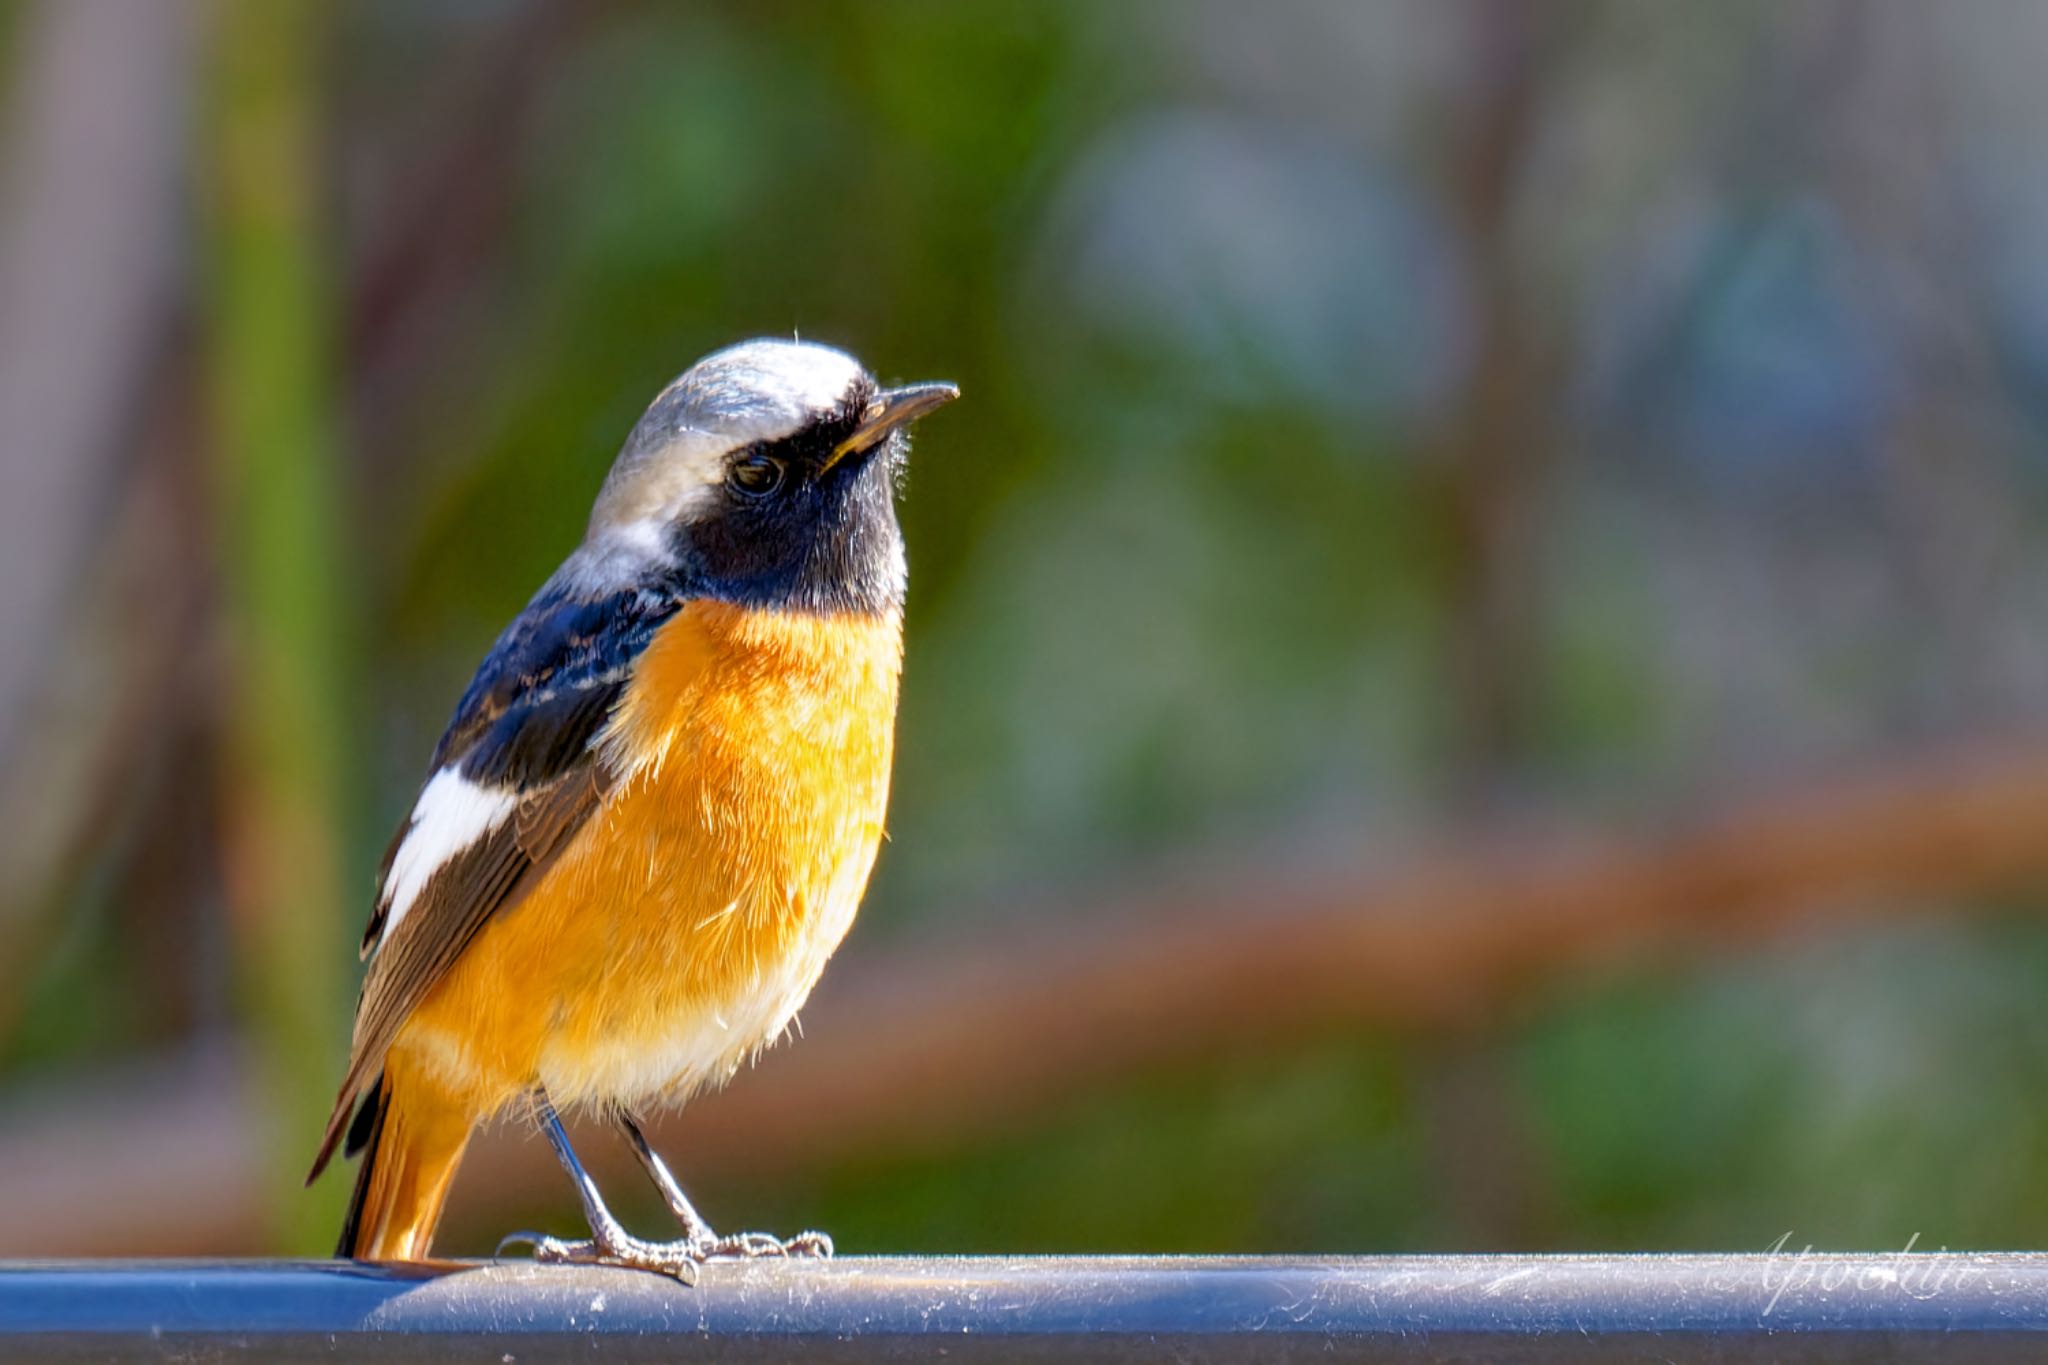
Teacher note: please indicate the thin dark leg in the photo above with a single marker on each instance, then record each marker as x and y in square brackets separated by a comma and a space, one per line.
[694, 1226]
[698, 1232]
[610, 1243]
[594, 1212]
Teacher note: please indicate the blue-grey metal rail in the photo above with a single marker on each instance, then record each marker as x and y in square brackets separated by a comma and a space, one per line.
[1784, 1307]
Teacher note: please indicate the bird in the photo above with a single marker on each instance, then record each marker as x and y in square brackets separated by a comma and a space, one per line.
[654, 812]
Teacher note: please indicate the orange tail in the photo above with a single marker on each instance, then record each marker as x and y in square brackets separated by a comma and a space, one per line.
[411, 1136]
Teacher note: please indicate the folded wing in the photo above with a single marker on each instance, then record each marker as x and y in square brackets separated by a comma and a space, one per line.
[514, 777]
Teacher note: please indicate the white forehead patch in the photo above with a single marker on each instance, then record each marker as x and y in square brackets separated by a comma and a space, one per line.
[757, 391]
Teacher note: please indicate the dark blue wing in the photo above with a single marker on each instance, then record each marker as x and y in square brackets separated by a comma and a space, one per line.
[517, 758]
[529, 709]
[537, 701]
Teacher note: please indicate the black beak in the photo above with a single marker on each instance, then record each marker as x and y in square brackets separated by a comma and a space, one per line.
[890, 409]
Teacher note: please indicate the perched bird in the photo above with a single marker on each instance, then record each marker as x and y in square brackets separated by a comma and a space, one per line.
[654, 812]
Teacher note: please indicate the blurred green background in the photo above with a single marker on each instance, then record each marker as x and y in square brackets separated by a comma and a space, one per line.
[1405, 445]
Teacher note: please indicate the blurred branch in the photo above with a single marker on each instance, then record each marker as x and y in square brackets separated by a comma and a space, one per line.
[930, 1048]
[93, 248]
[128, 697]
[1495, 462]
[275, 489]
[450, 208]
[88, 258]
[1497, 453]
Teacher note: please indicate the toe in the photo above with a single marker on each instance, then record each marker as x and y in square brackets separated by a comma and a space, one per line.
[816, 1244]
[757, 1245]
[555, 1251]
[518, 1239]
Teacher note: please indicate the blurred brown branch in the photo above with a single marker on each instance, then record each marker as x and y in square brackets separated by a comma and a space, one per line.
[114, 481]
[1499, 450]
[86, 268]
[929, 1047]
[88, 285]
[445, 216]
[100, 509]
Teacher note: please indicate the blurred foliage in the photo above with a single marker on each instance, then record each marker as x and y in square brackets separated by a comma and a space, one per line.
[277, 509]
[1860, 1092]
[1183, 578]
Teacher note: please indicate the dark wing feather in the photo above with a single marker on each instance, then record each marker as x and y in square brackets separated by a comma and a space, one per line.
[539, 698]
[526, 724]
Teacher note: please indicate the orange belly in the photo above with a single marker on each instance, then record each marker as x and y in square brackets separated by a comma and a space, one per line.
[686, 923]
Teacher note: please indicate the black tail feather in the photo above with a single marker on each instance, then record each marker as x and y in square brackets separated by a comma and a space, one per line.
[364, 1135]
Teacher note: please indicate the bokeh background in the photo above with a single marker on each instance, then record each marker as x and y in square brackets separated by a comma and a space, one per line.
[1478, 660]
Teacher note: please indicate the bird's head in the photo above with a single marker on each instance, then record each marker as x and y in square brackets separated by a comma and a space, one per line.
[766, 475]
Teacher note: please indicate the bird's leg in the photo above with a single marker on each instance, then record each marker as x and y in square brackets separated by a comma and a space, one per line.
[610, 1243]
[696, 1231]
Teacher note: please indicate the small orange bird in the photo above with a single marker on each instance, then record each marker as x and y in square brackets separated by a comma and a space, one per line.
[655, 810]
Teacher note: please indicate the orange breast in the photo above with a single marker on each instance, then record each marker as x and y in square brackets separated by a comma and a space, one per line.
[692, 915]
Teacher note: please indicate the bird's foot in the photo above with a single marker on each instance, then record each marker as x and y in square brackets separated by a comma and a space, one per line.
[679, 1260]
[748, 1246]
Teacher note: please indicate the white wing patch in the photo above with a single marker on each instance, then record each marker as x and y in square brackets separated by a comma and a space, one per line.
[451, 814]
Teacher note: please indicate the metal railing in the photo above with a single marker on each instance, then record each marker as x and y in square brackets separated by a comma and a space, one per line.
[1782, 1307]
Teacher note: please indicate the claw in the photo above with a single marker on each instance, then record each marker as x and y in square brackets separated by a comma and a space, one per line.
[748, 1246]
[677, 1260]
[517, 1239]
[810, 1242]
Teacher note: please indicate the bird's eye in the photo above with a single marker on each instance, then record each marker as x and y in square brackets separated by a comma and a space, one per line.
[755, 476]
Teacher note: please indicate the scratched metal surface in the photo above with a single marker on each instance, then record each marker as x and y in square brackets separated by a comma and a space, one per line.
[1394, 1308]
